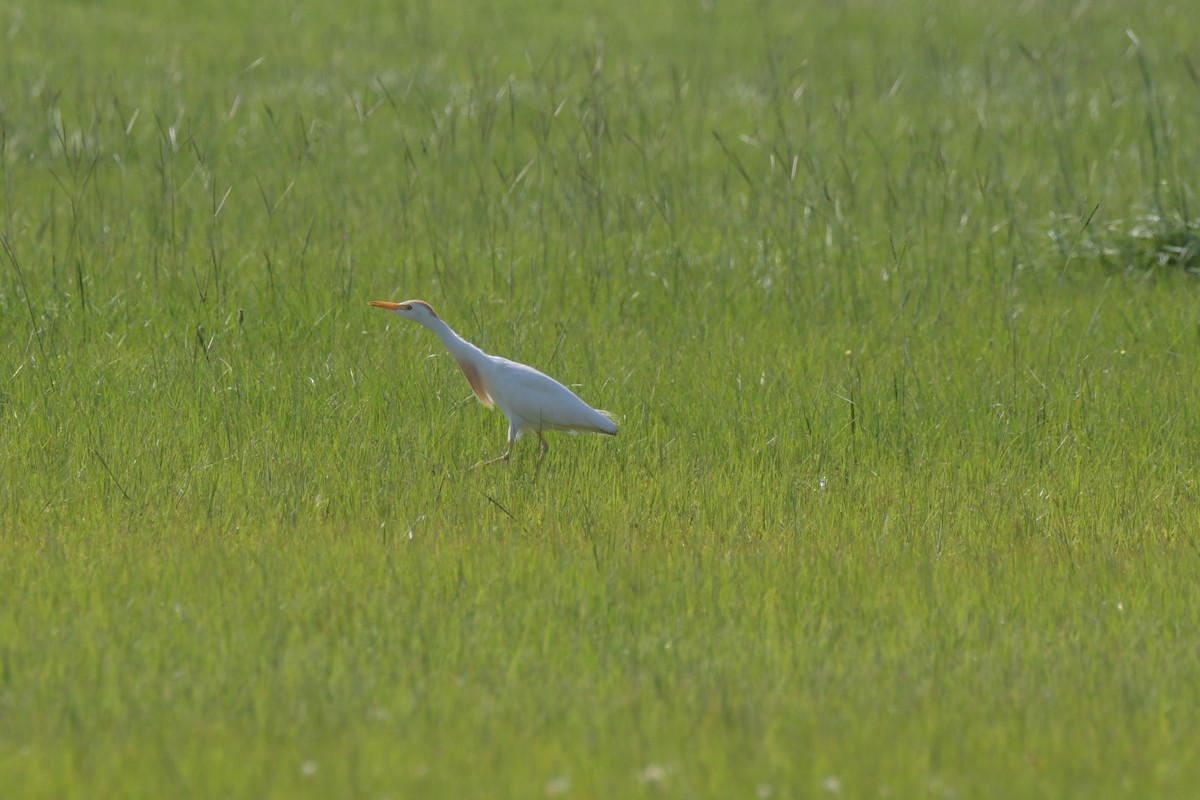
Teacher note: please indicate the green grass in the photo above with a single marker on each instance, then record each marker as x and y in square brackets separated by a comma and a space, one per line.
[893, 303]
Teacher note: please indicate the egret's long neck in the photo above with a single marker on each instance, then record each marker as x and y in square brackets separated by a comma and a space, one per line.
[460, 348]
[473, 361]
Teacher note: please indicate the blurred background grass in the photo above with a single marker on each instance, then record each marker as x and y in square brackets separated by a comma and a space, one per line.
[904, 498]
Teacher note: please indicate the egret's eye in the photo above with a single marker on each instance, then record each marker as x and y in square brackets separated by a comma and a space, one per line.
[407, 308]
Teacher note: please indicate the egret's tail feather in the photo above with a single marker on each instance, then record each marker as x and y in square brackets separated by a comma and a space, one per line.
[611, 418]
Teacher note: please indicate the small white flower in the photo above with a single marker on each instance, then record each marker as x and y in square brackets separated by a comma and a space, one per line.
[557, 786]
[653, 773]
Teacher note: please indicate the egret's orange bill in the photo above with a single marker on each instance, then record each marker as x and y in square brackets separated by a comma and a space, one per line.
[385, 304]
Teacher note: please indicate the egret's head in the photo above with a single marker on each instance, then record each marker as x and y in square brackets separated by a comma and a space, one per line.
[416, 310]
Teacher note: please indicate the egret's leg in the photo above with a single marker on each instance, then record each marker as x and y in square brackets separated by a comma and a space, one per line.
[505, 457]
[545, 446]
[512, 439]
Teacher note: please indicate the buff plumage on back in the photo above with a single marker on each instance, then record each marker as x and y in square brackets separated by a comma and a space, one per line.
[476, 381]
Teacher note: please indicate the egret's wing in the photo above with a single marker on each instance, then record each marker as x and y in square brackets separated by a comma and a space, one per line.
[543, 403]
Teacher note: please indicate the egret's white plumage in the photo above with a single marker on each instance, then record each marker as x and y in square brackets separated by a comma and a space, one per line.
[531, 400]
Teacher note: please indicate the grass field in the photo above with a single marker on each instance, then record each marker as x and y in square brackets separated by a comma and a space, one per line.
[894, 302]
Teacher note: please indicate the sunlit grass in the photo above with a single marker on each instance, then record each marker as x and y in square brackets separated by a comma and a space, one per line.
[904, 498]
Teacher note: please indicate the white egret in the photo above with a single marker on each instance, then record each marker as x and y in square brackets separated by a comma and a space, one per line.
[531, 400]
